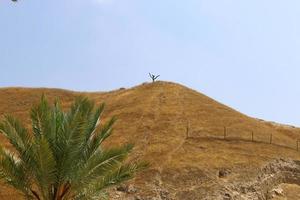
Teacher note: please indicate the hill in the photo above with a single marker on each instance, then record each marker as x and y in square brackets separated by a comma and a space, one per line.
[181, 132]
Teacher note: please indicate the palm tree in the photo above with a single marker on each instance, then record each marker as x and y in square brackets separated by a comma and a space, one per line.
[62, 157]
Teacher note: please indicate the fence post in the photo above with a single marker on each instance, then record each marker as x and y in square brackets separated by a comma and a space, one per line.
[271, 137]
[252, 137]
[187, 129]
[225, 132]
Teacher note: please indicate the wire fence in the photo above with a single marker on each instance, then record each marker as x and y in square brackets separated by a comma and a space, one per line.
[250, 136]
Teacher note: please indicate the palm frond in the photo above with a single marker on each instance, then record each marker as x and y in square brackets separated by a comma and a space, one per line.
[63, 158]
[122, 173]
[15, 133]
[45, 168]
[100, 163]
[40, 117]
[12, 171]
[97, 138]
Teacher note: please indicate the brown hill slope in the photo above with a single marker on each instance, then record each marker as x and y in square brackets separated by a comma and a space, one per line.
[176, 129]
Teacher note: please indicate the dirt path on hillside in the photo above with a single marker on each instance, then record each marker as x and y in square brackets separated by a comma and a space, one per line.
[180, 122]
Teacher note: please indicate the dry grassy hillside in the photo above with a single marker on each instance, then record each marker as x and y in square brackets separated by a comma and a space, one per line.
[177, 130]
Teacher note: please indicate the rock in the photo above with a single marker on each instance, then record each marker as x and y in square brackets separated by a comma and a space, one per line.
[131, 189]
[223, 173]
[137, 198]
[122, 188]
[164, 195]
[278, 191]
[227, 196]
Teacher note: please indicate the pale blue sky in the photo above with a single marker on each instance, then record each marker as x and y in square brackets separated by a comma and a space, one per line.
[242, 53]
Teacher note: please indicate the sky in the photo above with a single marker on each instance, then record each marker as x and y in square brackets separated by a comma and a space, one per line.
[245, 54]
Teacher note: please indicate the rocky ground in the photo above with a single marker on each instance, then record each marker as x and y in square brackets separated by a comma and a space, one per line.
[227, 185]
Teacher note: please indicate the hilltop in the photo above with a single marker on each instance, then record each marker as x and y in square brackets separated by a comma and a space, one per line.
[181, 132]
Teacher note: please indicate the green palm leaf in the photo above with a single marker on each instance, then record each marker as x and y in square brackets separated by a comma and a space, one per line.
[62, 157]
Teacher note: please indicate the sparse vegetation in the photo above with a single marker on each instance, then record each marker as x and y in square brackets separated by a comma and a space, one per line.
[153, 77]
[157, 117]
[62, 158]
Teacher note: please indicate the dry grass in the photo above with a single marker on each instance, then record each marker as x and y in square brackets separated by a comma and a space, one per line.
[156, 116]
